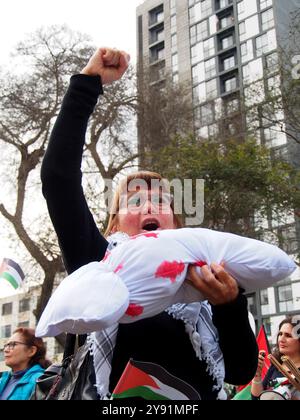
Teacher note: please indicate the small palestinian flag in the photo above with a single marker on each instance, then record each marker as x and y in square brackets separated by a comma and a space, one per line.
[152, 382]
[12, 272]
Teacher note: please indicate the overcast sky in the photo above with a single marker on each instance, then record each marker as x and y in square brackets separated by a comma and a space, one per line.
[108, 22]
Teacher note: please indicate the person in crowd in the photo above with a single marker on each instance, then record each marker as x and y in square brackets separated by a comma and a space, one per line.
[26, 356]
[195, 342]
[286, 345]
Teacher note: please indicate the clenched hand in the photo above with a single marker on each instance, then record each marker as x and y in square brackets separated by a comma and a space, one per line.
[108, 63]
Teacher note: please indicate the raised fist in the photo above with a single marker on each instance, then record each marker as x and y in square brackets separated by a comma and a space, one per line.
[109, 63]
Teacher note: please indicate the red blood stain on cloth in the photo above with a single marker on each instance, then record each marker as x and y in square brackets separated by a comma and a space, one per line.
[170, 270]
[107, 254]
[134, 310]
[200, 264]
[120, 266]
[146, 235]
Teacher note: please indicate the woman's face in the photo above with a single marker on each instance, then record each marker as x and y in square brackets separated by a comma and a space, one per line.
[288, 345]
[143, 211]
[17, 354]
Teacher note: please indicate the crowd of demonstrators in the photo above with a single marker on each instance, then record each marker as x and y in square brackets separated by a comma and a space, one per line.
[25, 354]
[171, 338]
[286, 345]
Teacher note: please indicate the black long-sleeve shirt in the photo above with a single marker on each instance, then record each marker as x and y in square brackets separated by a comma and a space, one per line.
[160, 339]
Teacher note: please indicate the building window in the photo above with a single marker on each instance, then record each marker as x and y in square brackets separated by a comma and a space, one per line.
[252, 304]
[230, 84]
[173, 7]
[7, 308]
[264, 301]
[195, 13]
[196, 74]
[242, 28]
[207, 114]
[246, 73]
[199, 32]
[226, 21]
[199, 93]
[228, 62]
[285, 298]
[273, 85]
[267, 19]
[210, 68]
[196, 52]
[175, 63]
[227, 42]
[161, 54]
[174, 43]
[6, 331]
[213, 130]
[211, 89]
[156, 15]
[206, 8]
[265, 3]
[241, 7]
[261, 45]
[173, 23]
[24, 324]
[244, 50]
[288, 239]
[267, 325]
[209, 47]
[232, 106]
[272, 62]
[158, 73]
[24, 305]
[156, 35]
[175, 78]
[273, 137]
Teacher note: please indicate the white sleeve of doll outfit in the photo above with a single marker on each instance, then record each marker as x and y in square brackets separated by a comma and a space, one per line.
[145, 274]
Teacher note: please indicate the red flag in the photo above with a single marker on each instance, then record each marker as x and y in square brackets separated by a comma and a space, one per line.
[263, 344]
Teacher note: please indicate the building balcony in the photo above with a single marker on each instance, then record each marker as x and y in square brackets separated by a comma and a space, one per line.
[223, 5]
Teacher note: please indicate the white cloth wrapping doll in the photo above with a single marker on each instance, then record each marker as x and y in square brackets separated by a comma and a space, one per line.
[144, 275]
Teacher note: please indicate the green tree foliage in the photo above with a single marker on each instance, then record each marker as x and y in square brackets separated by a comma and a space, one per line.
[242, 183]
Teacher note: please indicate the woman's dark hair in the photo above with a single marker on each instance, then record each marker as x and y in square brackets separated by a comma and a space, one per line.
[288, 320]
[30, 339]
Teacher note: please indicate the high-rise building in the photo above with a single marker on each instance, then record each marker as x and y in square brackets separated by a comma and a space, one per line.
[224, 49]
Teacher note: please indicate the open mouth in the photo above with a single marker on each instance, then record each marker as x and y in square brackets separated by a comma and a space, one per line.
[150, 225]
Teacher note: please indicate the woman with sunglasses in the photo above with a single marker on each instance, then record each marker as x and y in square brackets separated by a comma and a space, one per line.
[25, 355]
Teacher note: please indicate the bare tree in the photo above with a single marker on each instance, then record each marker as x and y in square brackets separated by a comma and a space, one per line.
[29, 104]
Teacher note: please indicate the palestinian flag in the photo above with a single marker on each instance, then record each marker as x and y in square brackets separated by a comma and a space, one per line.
[12, 272]
[263, 344]
[152, 382]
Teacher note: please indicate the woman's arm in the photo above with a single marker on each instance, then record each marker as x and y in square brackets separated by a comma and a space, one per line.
[78, 235]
